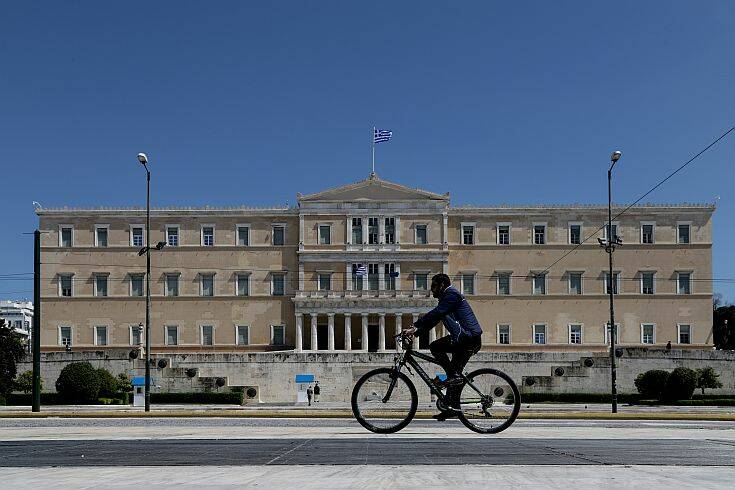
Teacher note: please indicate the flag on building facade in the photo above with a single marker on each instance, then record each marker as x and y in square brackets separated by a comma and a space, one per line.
[361, 270]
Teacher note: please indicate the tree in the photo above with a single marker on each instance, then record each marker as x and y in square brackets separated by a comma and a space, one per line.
[708, 378]
[79, 382]
[11, 353]
[24, 382]
[723, 334]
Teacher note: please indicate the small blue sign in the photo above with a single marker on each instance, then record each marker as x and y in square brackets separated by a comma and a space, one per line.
[304, 378]
[138, 381]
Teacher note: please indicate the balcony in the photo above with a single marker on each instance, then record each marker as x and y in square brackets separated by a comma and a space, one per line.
[363, 294]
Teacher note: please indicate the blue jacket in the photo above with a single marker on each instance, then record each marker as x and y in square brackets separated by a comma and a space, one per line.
[455, 312]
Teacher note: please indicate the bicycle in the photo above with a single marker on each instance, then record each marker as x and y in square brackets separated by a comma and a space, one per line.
[384, 400]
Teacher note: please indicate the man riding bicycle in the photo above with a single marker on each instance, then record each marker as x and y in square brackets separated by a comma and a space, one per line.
[463, 341]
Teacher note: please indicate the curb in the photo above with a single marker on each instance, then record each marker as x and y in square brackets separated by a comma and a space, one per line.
[331, 414]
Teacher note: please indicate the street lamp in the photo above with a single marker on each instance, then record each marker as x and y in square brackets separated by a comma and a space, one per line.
[609, 246]
[143, 159]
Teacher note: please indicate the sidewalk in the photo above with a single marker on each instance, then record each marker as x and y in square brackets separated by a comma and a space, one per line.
[343, 410]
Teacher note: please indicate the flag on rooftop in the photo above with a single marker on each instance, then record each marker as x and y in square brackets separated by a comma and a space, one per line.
[380, 135]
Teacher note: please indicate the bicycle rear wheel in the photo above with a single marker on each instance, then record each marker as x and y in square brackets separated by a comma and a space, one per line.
[384, 401]
[496, 406]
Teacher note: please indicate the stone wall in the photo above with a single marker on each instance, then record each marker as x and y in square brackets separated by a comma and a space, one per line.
[273, 374]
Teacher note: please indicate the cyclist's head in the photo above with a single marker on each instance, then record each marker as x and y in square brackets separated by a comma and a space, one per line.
[439, 283]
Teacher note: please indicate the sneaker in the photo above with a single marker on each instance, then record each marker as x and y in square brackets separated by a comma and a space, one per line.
[442, 416]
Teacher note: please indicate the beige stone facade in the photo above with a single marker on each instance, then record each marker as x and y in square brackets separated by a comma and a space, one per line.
[284, 278]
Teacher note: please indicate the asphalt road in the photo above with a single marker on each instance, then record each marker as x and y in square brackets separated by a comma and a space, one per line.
[366, 451]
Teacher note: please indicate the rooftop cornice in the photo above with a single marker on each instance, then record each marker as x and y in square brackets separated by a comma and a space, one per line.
[582, 207]
[177, 210]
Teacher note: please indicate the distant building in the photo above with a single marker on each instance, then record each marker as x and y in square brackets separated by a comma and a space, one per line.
[19, 314]
[348, 267]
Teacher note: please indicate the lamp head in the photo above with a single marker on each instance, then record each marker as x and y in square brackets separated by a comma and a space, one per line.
[142, 158]
[615, 156]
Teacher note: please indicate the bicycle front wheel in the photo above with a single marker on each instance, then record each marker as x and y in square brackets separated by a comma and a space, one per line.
[490, 403]
[384, 401]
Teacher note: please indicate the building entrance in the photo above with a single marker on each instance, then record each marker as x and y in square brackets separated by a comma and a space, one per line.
[322, 340]
[372, 338]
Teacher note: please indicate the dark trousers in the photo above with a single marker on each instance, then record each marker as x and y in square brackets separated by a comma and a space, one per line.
[461, 352]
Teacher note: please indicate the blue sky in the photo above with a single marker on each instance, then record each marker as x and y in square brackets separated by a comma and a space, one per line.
[249, 103]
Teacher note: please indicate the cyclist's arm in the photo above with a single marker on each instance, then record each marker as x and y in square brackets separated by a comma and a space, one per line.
[446, 305]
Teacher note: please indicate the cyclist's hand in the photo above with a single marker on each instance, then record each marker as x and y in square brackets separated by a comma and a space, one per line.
[409, 333]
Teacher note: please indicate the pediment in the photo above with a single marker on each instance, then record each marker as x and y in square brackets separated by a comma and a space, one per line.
[373, 189]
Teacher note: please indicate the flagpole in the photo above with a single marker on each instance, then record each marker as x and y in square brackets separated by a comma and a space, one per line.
[373, 173]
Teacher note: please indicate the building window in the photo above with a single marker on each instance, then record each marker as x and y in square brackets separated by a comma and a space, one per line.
[207, 335]
[539, 334]
[325, 282]
[208, 236]
[683, 282]
[685, 334]
[325, 234]
[648, 333]
[136, 236]
[615, 285]
[207, 288]
[683, 233]
[504, 234]
[65, 285]
[100, 335]
[136, 284]
[504, 283]
[243, 235]
[65, 336]
[422, 282]
[647, 232]
[390, 230]
[614, 230]
[504, 334]
[539, 284]
[389, 276]
[575, 283]
[172, 236]
[575, 233]
[373, 278]
[468, 234]
[100, 285]
[136, 335]
[358, 272]
[66, 236]
[575, 334]
[647, 282]
[279, 235]
[278, 284]
[372, 231]
[242, 284]
[278, 335]
[357, 231]
[172, 285]
[421, 235]
[468, 284]
[243, 335]
[539, 234]
[100, 235]
[617, 333]
[172, 335]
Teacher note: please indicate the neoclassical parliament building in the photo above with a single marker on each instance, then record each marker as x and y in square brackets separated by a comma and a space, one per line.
[347, 268]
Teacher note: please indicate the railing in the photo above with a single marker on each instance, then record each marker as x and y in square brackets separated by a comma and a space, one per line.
[370, 293]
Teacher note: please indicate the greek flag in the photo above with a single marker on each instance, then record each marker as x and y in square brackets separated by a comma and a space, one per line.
[361, 270]
[380, 135]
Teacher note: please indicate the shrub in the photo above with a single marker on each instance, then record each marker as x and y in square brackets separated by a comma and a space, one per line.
[24, 382]
[79, 382]
[123, 384]
[108, 384]
[2, 400]
[680, 385]
[708, 378]
[651, 383]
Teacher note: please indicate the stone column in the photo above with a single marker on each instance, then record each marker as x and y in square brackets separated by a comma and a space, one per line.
[364, 339]
[348, 331]
[381, 276]
[399, 327]
[399, 278]
[381, 333]
[299, 332]
[415, 339]
[348, 277]
[330, 331]
[314, 343]
[301, 276]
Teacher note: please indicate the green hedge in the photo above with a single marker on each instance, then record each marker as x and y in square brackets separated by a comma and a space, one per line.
[229, 398]
[27, 399]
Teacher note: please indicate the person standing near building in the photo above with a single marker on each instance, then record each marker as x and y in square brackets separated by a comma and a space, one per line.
[309, 394]
[317, 392]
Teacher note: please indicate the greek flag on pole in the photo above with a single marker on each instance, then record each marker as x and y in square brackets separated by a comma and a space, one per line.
[361, 270]
[381, 135]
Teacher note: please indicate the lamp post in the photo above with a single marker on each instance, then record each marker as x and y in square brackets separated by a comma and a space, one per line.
[609, 246]
[143, 159]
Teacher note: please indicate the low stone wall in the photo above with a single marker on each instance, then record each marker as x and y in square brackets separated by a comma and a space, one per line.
[273, 374]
